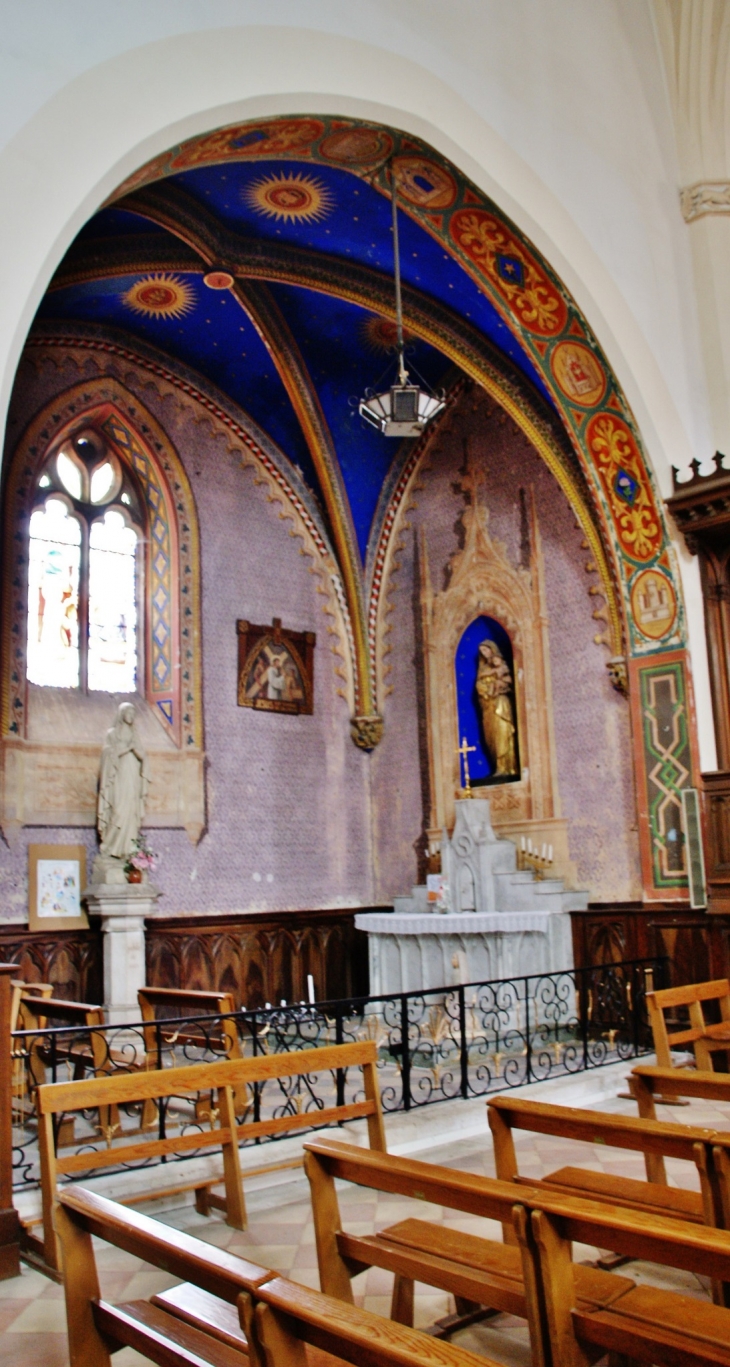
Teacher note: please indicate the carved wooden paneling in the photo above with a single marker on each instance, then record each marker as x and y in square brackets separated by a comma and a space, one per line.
[70, 959]
[717, 845]
[697, 945]
[261, 957]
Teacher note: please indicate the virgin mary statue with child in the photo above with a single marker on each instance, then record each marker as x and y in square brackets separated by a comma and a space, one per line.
[494, 687]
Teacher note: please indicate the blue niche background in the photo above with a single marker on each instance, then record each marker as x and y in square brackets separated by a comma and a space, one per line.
[469, 712]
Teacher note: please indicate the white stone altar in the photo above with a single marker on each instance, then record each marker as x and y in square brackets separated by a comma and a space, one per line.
[501, 922]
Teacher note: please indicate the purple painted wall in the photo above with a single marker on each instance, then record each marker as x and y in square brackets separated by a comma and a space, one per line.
[293, 806]
[591, 720]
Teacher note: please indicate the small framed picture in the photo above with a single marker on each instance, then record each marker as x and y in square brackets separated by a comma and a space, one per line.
[275, 668]
[56, 879]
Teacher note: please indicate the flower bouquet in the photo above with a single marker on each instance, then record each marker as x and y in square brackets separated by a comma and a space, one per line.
[140, 862]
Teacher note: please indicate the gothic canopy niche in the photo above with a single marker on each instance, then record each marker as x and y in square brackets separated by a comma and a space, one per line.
[51, 735]
[482, 584]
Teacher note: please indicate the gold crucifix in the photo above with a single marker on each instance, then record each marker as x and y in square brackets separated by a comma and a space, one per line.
[465, 750]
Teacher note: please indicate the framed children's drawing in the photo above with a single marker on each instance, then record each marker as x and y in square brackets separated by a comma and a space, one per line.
[56, 879]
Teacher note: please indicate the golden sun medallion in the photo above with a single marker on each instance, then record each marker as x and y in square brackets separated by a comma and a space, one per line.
[297, 198]
[160, 296]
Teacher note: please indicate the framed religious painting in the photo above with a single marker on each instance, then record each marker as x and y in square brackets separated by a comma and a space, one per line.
[56, 880]
[275, 668]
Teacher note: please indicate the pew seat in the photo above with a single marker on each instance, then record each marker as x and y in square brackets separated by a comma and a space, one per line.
[228, 1313]
[647, 1324]
[476, 1270]
[644, 1134]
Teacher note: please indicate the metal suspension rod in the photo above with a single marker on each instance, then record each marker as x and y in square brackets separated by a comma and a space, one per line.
[402, 373]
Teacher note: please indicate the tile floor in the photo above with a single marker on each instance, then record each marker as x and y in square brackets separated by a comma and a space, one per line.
[280, 1235]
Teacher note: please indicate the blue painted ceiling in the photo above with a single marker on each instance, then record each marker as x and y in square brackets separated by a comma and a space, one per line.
[343, 345]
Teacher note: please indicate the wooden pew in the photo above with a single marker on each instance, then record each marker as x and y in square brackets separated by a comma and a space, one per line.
[649, 1084]
[643, 1324]
[56, 1101]
[651, 1137]
[476, 1271]
[706, 1039]
[233, 1313]
[220, 1036]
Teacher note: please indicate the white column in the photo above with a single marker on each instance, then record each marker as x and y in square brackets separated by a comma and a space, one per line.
[122, 911]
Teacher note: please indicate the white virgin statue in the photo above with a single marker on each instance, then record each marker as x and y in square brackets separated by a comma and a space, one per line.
[123, 785]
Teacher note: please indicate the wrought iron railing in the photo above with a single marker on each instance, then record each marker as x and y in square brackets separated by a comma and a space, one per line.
[435, 1045]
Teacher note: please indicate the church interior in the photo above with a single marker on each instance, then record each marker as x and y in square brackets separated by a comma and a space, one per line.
[364, 670]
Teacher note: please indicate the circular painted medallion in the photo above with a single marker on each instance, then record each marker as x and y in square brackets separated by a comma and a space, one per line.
[160, 296]
[352, 145]
[578, 373]
[653, 604]
[294, 198]
[425, 183]
[218, 280]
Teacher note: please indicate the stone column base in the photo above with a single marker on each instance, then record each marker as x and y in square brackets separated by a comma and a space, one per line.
[122, 910]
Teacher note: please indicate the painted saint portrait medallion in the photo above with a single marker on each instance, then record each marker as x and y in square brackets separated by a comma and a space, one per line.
[578, 373]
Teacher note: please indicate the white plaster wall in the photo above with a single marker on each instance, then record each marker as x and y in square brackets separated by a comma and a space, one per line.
[557, 108]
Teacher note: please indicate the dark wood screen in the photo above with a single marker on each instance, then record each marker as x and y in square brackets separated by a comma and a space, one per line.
[260, 956]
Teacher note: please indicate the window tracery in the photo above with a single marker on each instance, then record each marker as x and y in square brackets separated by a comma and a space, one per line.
[85, 570]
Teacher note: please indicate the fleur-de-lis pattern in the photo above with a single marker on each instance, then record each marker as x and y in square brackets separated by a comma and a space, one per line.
[530, 294]
[629, 493]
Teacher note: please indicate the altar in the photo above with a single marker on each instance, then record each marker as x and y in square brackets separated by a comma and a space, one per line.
[494, 920]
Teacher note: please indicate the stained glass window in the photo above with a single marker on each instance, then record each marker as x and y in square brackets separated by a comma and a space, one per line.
[112, 604]
[83, 571]
[53, 596]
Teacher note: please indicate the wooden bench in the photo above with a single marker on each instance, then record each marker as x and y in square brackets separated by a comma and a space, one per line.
[644, 1323]
[705, 1038]
[651, 1137]
[220, 1036]
[228, 1313]
[118, 1090]
[478, 1272]
[650, 1084]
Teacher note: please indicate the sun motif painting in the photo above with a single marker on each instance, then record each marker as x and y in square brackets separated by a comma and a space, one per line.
[296, 198]
[160, 296]
[380, 334]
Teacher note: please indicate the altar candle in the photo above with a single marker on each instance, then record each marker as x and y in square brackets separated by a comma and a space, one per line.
[529, 845]
[550, 854]
[310, 989]
[283, 1001]
[544, 852]
[522, 844]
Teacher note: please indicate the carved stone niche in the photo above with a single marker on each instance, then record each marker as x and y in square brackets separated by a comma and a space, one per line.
[483, 582]
[50, 776]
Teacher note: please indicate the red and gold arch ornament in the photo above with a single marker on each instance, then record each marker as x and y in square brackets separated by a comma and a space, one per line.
[524, 290]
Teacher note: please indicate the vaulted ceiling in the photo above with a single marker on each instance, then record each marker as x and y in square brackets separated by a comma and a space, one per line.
[267, 272]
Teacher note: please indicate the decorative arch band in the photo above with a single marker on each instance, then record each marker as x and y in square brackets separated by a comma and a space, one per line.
[532, 301]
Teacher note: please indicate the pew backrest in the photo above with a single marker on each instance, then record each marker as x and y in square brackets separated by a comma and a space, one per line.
[655, 1139]
[645, 1323]
[156, 1004]
[691, 997]
[277, 1315]
[111, 1093]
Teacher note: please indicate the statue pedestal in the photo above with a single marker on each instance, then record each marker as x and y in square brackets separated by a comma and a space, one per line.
[122, 909]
